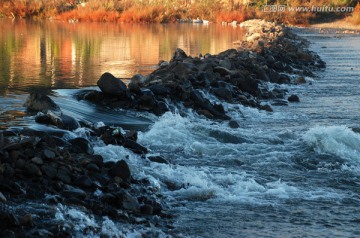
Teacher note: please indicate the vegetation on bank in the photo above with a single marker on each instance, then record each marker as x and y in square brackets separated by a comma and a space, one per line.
[173, 10]
[355, 16]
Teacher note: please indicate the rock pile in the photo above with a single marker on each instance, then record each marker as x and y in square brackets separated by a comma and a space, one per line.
[269, 53]
[41, 168]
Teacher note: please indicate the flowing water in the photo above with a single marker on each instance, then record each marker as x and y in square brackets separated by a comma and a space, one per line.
[291, 173]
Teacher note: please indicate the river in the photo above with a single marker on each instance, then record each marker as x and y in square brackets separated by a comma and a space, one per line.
[294, 172]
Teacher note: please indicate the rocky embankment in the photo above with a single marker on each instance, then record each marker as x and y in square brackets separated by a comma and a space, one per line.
[269, 53]
[41, 169]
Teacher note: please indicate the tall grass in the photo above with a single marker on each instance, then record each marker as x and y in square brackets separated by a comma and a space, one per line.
[165, 10]
[355, 17]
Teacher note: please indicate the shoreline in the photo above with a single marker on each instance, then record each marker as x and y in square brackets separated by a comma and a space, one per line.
[339, 24]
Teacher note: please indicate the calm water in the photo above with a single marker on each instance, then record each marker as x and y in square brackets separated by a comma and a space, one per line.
[64, 55]
[291, 173]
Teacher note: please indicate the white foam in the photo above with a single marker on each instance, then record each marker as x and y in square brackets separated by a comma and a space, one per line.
[337, 140]
[109, 228]
[74, 217]
[86, 225]
[113, 152]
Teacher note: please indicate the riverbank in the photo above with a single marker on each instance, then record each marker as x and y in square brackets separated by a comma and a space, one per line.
[178, 11]
[59, 167]
[339, 24]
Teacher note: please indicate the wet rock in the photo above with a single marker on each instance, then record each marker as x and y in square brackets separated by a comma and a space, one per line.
[14, 154]
[83, 181]
[81, 145]
[53, 199]
[283, 79]
[121, 170]
[37, 161]
[300, 80]
[146, 209]
[205, 105]
[225, 63]
[222, 71]
[2, 197]
[134, 146]
[131, 135]
[279, 102]
[32, 170]
[157, 159]
[90, 95]
[22, 144]
[40, 102]
[64, 175]
[266, 107]
[135, 85]
[8, 171]
[41, 233]
[223, 93]
[293, 98]
[49, 170]
[179, 55]
[48, 154]
[69, 123]
[111, 85]
[247, 85]
[74, 193]
[92, 167]
[20, 164]
[108, 138]
[147, 100]
[27, 220]
[159, 89]
[129, 202]
[8, 219]
[233, 124]
[61, 121]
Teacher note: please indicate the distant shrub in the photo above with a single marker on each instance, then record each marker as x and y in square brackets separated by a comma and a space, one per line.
[240, 15]
[355, 17]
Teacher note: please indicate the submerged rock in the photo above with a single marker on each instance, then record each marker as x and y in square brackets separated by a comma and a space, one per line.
[293, 98]
[40, 102]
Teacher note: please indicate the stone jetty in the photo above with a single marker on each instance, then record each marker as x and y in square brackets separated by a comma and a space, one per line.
[268, 53]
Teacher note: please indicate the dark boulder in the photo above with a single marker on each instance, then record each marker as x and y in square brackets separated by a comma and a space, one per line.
[136, 83]
[110, 85]
[158, 159]
[120, 169]
[134, 146]
[81, 145]
[60, 121]
[223, 93]
[74, 193]
[248, 85]
[179, 55]
[147, 100]
[40, 102]
[283, 79]
[159, 89]
[204, 106]
[293, 98]
[233, 124]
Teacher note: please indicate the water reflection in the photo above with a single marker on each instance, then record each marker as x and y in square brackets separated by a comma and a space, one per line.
[64, 55]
